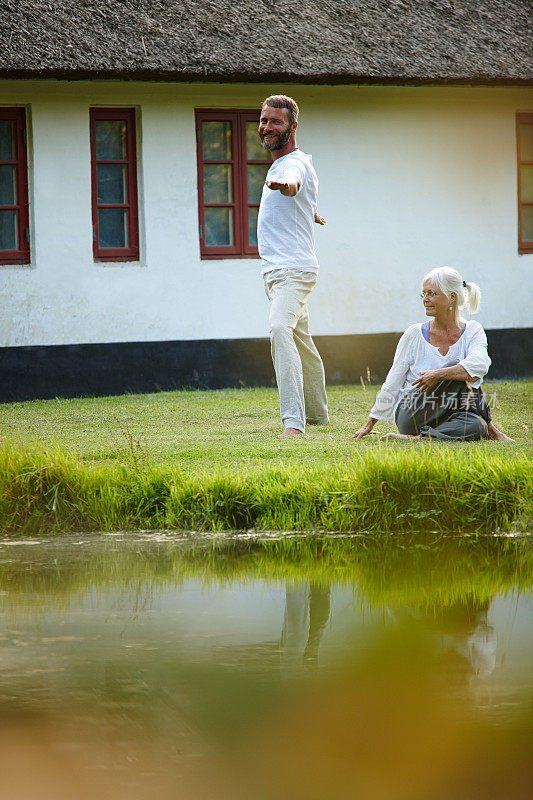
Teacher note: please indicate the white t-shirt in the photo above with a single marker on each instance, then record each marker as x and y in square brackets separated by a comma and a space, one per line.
[285, 225]
[415, 355]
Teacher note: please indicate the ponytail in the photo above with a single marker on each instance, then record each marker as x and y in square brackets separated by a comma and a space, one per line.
[448, 280]
[472, 296]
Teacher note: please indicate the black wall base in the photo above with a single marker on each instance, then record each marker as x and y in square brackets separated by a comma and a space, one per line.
[74, 370]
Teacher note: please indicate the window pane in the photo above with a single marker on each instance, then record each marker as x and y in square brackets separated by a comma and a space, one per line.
[218, 227]
[526, 184]
[111, 180]
[8, 230]
[252, 226]
[525, 137]
[8, 185]
[216, 138]
[7, 140]
[217, 183]
[254, 148]
[256, 181]
[110, 139]
[527, 223]
[113, 227]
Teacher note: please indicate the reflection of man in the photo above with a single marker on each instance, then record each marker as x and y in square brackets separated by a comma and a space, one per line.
[286, 246]
[307, 612]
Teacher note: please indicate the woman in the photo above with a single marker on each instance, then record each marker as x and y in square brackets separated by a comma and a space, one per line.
[433, 390]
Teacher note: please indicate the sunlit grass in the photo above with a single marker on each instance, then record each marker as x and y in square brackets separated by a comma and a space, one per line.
[231, 428]
[384, 489]
[212, 461]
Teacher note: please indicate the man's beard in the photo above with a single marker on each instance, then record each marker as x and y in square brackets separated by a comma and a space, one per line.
[276, 144]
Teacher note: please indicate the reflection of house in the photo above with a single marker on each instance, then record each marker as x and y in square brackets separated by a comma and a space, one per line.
[129, 178]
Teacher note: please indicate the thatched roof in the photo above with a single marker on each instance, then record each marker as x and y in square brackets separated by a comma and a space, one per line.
[312, 41]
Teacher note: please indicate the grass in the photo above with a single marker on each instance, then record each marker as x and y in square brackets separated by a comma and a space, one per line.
[233, 428]
[212, 461]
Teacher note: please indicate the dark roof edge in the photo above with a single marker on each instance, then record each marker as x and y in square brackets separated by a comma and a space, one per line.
[168, 76]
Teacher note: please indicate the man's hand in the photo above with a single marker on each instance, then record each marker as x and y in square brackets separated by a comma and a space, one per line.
[429, 379]
[318, 219]
[288, 188]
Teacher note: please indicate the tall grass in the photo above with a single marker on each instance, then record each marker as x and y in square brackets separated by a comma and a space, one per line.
[381, 490]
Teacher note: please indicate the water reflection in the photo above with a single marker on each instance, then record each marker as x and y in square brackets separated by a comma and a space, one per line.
[359, 667]
[307, 611]
[466, 638]
[469, 639]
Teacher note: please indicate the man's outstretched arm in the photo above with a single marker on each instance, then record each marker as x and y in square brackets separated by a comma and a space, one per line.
[288, 188]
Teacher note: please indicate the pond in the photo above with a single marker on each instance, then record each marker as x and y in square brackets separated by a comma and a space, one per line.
[187, 666]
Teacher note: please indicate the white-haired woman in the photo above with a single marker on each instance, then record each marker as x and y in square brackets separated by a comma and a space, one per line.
[433, 390]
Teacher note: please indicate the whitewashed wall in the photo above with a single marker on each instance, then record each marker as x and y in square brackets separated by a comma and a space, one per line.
[410, 178]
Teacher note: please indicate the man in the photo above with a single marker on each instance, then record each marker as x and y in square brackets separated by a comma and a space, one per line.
[286, 245]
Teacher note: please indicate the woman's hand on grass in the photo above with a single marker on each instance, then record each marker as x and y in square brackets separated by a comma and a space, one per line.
[366, 429]
[428, 380]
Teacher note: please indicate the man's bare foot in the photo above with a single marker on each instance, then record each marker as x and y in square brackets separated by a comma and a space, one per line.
[388, 436]
[497, 435]
[290, 432]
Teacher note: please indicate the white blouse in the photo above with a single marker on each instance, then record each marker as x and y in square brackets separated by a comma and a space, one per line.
[414, 354]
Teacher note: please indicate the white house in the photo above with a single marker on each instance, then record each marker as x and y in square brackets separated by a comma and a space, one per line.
[130, 173]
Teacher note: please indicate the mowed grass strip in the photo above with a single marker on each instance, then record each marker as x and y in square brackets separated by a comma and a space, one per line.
[212, 461]
[231, 428]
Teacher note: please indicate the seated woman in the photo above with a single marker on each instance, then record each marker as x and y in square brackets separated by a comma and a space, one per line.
[433, 390]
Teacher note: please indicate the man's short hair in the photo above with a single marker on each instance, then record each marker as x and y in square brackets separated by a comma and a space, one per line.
[282, 101]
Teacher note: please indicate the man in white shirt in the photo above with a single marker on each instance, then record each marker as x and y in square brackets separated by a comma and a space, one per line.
[285, 235]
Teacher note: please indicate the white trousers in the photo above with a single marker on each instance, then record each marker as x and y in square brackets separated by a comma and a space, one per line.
[298, 366]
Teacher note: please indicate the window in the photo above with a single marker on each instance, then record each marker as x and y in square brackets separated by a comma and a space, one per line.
[524, 132]
[231, 172]
[14, 217]
[114, 184]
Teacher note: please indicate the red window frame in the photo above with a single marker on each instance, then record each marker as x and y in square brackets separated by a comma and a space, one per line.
[239, 161]
[522, 118]
[22, 254]
[131, 251]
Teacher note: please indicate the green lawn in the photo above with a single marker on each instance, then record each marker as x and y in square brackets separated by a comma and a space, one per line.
[234, 429]
[213, 461]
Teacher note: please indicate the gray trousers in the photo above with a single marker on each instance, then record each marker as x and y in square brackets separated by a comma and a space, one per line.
[298, 366]
[449, 412]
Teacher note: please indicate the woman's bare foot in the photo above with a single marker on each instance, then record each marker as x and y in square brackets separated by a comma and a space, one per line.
[290, 432]
[497, 435]
[388, 436]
